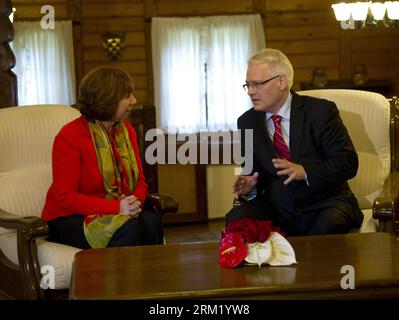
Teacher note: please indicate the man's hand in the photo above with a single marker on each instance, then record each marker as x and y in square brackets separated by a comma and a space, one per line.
[292, 170]
[244, 184]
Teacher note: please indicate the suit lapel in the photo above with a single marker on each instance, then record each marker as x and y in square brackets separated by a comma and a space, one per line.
[296, 126]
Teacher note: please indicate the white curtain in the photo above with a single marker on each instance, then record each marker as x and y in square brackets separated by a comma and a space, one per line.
[199, 67]
[45, 65]
[177, 63]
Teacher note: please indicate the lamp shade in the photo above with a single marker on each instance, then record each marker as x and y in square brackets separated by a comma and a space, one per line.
[359, 10]
[378, 10]
[392, 9]
[342, 11]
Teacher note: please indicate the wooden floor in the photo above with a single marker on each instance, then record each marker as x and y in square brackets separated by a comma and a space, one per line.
[194, 232]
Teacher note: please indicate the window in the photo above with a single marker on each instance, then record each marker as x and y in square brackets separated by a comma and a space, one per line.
[45, 66]
[199, 67]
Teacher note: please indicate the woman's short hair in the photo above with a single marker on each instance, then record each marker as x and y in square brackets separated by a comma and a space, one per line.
[100, 91]
[277, 60]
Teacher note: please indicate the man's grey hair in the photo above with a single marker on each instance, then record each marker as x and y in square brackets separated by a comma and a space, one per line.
[278, 62]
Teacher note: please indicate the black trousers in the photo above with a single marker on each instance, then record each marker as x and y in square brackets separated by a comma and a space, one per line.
[144, 230]
[340, 218]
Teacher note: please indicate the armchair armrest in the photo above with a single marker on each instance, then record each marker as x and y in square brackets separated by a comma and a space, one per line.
[23, 280]
[386, 205]
[30, 227]
[161, 203]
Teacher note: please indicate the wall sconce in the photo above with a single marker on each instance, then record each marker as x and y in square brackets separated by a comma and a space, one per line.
[113, 44]
[360, 14]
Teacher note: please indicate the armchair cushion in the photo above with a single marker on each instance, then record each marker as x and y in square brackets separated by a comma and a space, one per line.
[26, 189]
[369, 224]
[49, 253]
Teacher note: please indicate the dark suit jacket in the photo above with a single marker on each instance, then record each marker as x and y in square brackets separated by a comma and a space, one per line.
[320, 143]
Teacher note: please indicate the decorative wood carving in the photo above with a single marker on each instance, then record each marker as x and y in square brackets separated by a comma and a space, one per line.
[8, 80]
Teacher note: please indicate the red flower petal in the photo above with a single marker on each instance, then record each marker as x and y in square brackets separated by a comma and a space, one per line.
[265, 228]
[250, 233]
[251, 230]
[232, 250]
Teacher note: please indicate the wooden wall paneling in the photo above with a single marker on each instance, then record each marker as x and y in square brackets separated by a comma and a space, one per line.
[99, 16]
[74, 10]
[97, 9]
[92, 54]
[383, 57]
[300, 46]
[141, 95]
[367, 44]
[187, 183]
[300, 18]
[377, 32]
[258, 6]
[94, 39]
[150, 10]
[345, 62]
[376, 49]
[306, 31]
[94, 24]
[30, 10]
[311, 60]
[140, 81]
[298, 5]
[301, 32]
[132, 67]
[383, 71]
[305, 74]
[203, 7]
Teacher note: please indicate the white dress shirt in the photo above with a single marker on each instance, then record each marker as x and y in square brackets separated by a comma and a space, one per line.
[284, 113]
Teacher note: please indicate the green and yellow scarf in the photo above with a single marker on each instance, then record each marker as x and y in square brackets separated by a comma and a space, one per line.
[118, 166]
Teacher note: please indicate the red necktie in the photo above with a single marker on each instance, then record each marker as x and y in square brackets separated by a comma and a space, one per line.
[278, 141]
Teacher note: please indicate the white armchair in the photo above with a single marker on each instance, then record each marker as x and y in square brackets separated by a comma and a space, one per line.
[26, 138]
[372, 125]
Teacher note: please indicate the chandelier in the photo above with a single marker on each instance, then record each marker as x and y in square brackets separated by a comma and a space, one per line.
[357, 15]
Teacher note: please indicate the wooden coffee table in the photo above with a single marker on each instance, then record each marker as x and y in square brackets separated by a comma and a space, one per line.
[191, 270]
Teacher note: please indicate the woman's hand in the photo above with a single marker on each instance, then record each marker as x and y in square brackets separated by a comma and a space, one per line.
[130, 205]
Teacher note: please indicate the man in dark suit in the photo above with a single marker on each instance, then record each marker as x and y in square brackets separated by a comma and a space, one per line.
[302, 155]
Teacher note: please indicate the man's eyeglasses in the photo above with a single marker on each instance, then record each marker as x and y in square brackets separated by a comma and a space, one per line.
[257, 84]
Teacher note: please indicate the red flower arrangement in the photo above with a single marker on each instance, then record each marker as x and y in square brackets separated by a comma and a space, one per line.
[248, 237]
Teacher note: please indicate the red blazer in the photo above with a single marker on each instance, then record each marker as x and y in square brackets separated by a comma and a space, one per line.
[78, 186]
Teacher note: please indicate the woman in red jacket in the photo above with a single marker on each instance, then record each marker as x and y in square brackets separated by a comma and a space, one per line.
[98, 187]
